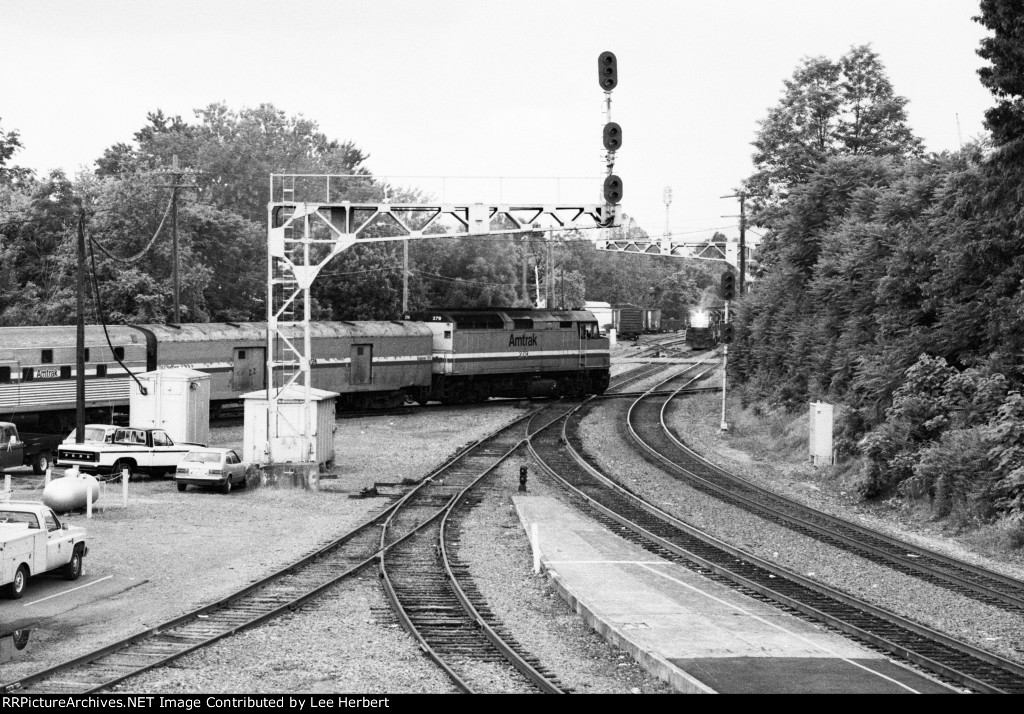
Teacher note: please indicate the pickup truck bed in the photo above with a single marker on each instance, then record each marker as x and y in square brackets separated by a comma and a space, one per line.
[24, 449]
[33, 541]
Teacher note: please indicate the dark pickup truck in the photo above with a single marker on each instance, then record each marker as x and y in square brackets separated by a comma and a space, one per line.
[35, 450]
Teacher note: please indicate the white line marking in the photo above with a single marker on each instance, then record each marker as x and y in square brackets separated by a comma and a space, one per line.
[610, 562]
[775, 625]
[50, 597]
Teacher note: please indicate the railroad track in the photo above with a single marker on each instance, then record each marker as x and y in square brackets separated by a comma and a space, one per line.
[649, 429]
[431, 590]
[277, 594]
[642, 522]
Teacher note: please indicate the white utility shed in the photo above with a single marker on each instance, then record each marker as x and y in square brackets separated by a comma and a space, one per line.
[288, 446]
[177, 400]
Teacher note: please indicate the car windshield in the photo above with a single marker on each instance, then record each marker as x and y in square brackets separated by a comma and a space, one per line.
[203, 457]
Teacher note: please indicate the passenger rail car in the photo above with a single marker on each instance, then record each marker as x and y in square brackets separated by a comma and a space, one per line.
[510, 352]
[370, 364]
[486, 353]
[38, 372]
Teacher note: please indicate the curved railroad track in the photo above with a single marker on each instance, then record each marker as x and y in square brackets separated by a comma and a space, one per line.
[279, 593]
[432, 593]
[633, 518]
[649, 429]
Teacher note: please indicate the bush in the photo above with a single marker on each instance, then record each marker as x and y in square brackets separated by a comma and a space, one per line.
[958, 473]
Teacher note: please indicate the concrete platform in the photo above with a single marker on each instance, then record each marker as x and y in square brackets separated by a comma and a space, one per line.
[698, 636]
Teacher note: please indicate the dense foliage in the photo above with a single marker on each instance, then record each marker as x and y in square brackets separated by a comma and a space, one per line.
[891, 282]
[224, 160]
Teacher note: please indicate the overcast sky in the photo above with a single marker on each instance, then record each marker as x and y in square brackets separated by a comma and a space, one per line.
[480, 88]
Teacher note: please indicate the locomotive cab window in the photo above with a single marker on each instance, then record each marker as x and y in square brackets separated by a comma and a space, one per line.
[565, 324]
[479, 321]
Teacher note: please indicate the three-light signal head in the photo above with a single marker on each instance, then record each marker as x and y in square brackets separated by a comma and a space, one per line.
[728, 285]
[607, 71]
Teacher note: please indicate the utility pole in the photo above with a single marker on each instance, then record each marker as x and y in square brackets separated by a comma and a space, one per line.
[80, 334]
[743, 238]
[405, 276]
[176, 175]
[174, 238]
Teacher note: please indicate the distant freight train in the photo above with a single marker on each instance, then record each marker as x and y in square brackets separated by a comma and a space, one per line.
[452, 356]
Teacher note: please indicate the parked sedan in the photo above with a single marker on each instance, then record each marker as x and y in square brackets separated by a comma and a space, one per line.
[212, 468]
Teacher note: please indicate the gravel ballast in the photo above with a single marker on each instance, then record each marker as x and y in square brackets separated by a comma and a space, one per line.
[604, 437]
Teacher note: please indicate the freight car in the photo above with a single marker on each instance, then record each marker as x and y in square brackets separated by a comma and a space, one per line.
[652, 320]
[671, 324]
[370, 364]
[628, 321]
[514, 352]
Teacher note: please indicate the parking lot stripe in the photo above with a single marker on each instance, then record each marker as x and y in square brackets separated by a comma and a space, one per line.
[50, 597]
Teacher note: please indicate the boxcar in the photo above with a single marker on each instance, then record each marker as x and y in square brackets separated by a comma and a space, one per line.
[628, 321]
[514, 352]
[652, 320]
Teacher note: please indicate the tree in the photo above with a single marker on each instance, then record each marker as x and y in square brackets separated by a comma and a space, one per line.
[1005, 77]
[10, 143]
[828, 109]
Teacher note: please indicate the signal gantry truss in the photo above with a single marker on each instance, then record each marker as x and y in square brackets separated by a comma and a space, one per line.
[304, 236]
[727, 251]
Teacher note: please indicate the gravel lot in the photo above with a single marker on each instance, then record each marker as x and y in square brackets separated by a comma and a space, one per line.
[175, 551]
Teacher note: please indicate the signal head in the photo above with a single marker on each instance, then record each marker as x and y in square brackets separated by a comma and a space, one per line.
[612, 136]
[728, 285]
[607, 71]
[612, 189]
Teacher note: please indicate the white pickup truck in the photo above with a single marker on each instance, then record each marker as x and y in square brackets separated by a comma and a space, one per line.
[33, 541]
[136, 449]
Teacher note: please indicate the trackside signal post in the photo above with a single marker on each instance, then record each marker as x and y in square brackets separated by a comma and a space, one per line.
[728, 289]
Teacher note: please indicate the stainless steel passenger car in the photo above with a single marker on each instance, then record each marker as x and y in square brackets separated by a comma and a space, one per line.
[38, 371]
[370, 364]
